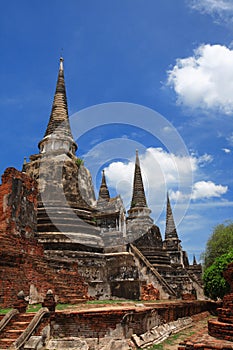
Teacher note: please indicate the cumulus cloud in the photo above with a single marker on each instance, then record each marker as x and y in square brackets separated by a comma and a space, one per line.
[205, 80]
[201, 190]
[207, 189]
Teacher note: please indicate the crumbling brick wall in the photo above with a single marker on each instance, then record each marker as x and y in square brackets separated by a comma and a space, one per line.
[18, 203]
[125, 322]
[22, 262]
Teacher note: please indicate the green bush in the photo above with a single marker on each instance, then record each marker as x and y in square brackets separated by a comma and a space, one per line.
[215, 286]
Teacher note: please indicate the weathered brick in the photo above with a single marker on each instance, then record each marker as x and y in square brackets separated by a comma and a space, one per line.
[22, 259]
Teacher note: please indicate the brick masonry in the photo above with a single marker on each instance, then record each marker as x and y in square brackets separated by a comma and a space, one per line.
[123, 322]
[22, 262]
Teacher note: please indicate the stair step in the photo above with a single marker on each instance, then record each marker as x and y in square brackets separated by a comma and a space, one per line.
[21, 322]
[77, 227]
[5, 343]
[19, 326]
[13, 333]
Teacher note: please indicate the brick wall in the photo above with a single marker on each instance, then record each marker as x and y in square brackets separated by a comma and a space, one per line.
[125, 322]
[22, 263]
[18, 202]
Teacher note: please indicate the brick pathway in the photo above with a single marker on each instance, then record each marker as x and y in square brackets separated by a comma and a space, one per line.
[202, 341]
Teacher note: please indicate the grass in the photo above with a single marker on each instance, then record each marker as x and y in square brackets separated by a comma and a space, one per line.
[4, 311]
[34, 307]
[63, 306]
[172, 340]
[157, 347]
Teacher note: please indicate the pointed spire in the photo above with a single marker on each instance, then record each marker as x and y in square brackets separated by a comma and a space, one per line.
[194, 260]
[24, 164]
[59, 119]
[170, 223]
[138, 197]
[103, 192]
[59, 125]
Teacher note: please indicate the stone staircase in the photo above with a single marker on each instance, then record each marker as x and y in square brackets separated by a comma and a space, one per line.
[167, 287]
[156, 256]
[14, 329]
[176, 276]
[59, 225]
[56, 208]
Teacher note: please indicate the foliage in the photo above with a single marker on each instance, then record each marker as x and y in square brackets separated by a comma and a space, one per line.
[219, 243]
[215, 286]
[79, 162]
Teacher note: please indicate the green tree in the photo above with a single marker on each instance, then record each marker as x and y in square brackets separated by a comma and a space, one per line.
[215, 286]
[219, 243]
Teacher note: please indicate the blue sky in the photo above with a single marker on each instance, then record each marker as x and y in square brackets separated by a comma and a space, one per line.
[171, 57]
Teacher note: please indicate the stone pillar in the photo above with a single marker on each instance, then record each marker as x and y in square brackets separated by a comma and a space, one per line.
[21, 304]
[49, 301]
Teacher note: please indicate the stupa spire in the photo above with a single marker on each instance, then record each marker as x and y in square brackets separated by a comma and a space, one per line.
[170, 223]
[194, 260]
[138, 197]
[103, 192]
[59, 125]
[59, 114]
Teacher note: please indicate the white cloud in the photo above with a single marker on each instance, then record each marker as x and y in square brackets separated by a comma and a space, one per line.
[201, 190]
[226, 150]
[212, 5]
[206, 158]
[158, 167]
[207, 189]
[219, 9]
[163, 171]
[205, 80]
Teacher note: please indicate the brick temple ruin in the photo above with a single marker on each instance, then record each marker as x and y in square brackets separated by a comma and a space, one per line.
[56, 235]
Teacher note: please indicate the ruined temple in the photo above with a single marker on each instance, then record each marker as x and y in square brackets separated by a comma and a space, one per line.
[108, 253]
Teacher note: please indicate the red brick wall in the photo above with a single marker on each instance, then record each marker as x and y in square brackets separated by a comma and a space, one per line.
[220, 330]
[18, 202]
[22, 262]
[93, 325]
